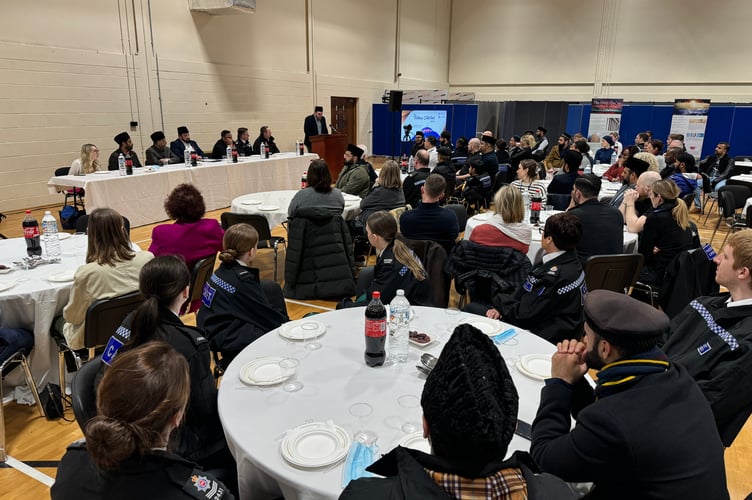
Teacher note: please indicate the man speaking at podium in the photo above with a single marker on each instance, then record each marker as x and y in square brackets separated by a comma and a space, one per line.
[315, 124]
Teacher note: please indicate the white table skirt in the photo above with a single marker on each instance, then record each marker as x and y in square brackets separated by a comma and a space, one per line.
[247, 204]
[140, 197]
[335, 377]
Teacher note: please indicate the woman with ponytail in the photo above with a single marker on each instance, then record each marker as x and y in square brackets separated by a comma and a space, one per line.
[667, 231]
[141, 400]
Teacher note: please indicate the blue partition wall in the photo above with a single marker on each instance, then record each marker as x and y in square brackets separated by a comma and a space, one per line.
[732, 124]
[387, 125]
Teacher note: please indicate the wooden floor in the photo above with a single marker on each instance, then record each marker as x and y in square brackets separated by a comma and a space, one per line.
[40, 443]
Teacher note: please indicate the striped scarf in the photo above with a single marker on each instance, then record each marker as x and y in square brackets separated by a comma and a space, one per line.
[616, 376]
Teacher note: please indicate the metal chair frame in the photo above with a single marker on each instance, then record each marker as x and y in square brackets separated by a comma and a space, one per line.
[17, 357]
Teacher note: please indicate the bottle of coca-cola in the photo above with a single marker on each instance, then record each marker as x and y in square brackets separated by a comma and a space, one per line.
[194, 158]
[301, 149]
[304, 180]
[128, 165]
[535, 209]
[234, 155]
[31, 235]
[375, 331]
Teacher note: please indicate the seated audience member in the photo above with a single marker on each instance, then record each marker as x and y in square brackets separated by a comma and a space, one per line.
[670, 159]
[477, 188]
[719, 166]
[470, 409]
[414, 182]
[563, 182]
[158, 153]
[445, 169]
[527, 180]
[640, 140]
[553, 160]
[636, 202]
[243, 144]
[488, 155]
[549, 303]
[650, 159]
[633, 169]
[141, 400]
[605, 153]
[237, 307]
[319, 192]
[219, 150]
[430, 144]
[502, 155]
[445, 140]
[655, 148]
[354, 177]
[685, 175]
[582, 147]
[460, 150]
[637, 419]
[87, 162]
[514, 145]
[618, 146]
[506, 227]
[602, 225]
[712, 339]
[164, 282]
[363, 160]
[614, 172]
[265, 137]
[191, 235]
[386, 194]
[184, 140]
[397, 267]
[525, 151]
[125, 147]
[473, 153]
[541, 143]
[111, 270]
[429, 221]
[666, 231]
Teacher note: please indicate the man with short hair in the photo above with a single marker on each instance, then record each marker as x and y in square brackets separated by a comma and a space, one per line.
[541, 141]
[514, 146]
[219, 150]
[412, 184]
[636, 202]
[645, 431]
[655, 147]
[602, 225]
[553, 161]
[243, 144]
[265, 137]
[445, 169]
[429, 221]
[618, 146]
[125, 147]
[314, 124]
[640, 140]
[563, 183]
[718, 166]
[183, 141]
[158, 153]
[353, 179]
[686, 174]
[633, 169]
[445, 140]
[433, 155]
[670, 158]
[473, 153]
[488, 155]
[477, 189]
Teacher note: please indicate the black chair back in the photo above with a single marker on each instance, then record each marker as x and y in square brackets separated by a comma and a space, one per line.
[461, 212]
[83, 392]
[105, 316]
[61, 171]
[617, 273]
[261, 225]
[82, 224]
[738, 193]
[559, 201]
[434, 258]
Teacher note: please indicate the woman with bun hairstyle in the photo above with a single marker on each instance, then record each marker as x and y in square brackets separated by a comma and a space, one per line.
[237, 307]
[140, 402]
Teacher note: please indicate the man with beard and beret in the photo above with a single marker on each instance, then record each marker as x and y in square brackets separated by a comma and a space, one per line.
[158, 153]
[646, 430]
[354, 177]
[488, 155]
[541, 141]
[184, 140]
[470, 409]
[314, 124]
[125, 147]
[633, 169]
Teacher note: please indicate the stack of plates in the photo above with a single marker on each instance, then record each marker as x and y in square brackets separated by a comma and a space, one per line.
[264, 371]
[416, 441]
[62, 277]
[490, 327]
[316, 444]
[302, 330]
[537, 366]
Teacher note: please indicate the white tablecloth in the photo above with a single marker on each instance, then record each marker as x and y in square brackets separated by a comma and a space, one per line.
[335, 377]
[140, 197]
[280, 200]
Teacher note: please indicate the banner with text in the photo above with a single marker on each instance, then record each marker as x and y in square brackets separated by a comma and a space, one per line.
[605, 116]
[691, 118]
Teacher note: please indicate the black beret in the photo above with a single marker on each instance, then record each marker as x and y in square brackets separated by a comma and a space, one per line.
[317, 109]
[636, 166]
[489, 139]
[542, 129]
[122, 137]
[182, 130]
[516, 138]
[566, 136]
[444, 151]
[590, 180]
[157, 136]
[355, 150]
[469, 400]
[624, 321]
[572, 159]
[608, 139]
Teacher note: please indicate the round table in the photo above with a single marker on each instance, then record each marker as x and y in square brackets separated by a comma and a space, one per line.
[273, 205]
[335, 377]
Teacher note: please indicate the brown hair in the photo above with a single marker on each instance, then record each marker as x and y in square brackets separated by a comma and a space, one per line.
[508, 203]
[565, 229]
[389, 177]
[185, 204]
[238, 239]
[319, 177]
[131, 422]
[532, 168]
[384, 224]
[669, 191]
[108, 241]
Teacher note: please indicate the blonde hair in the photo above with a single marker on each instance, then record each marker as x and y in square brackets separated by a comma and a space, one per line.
[238, 239]
[508, 203]
[88, 164]
[528, 140]
[383, 224]
[650, 159]
[669, 191]
[389, 177]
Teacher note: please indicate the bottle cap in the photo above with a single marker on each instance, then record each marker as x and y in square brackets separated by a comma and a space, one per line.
[376, 295]
[28, 211]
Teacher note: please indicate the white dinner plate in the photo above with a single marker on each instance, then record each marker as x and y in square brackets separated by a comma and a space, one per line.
[424, 344]
[5, 285]
[416, 441]
[298, 330]
[64, 236]
[251, 202]
[264, 371]
[315, 445]
[268, 208]
[62, 277]
[6, 270]
[537, 366]
[488, 326]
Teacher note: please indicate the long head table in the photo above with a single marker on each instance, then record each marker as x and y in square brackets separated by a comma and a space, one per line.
[335, 377]
[140, 197]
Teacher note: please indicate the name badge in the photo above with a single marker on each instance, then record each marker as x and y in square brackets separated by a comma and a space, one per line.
[704, 349]
[709, 252]
[112, 348]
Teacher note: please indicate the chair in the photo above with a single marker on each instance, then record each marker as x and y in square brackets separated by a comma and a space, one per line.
[434, 258]
[76, 193]
[730, 199]
[460, 212]
[617, 273]
[707, 191]
[261, 225]
[17, 357]
[397, 213]
[83, 392]
[559, 201]
[82, 224]
[200, 273]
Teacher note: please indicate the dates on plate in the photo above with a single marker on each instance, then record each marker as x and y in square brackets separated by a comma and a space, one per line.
[420, 338]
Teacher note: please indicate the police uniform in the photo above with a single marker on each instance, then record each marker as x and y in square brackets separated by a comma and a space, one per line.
[549, 302]
[159, 474]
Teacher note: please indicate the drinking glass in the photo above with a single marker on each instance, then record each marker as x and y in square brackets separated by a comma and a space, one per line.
[362, 412]
[289, 367]
[409, 405]
[310, 328]
[452, 316]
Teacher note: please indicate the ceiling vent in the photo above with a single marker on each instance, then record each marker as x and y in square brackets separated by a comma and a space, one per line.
[223, 7]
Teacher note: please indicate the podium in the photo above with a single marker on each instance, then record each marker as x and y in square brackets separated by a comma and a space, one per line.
[330, 148]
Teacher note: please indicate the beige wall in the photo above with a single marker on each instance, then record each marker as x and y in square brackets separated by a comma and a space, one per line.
[85, 78]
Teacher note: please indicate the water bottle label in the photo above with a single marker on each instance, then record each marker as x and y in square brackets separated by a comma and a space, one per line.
[375, 328]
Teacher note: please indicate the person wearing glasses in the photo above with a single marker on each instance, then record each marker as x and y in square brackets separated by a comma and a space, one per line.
[87, 162]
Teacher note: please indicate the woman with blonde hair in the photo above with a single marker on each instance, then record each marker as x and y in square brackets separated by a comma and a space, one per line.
[506, 227]
[237, 307]
[386, 193]
[650, 159]
[87, 162]
[527, 143]
[667, 231]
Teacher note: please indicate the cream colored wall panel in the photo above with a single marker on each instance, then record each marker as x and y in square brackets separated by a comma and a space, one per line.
[424, 42]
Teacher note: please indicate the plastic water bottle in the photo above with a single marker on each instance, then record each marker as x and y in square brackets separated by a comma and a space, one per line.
[526, 204]
[262, 150]
[588, 168]
[614, 157]
[399, 327]
[228, 154]
[50, 235]
[187, 156]
[121, 164]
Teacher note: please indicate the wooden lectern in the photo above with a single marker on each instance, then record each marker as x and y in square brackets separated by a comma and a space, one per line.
[330, 148]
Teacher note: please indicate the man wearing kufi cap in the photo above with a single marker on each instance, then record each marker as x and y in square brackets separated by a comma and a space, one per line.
[470, 408]
[541, 142]
[633, 169]
[646, 430]
[488, 155]
[183, 141]
[314, 124]
[553, 160]
[158, 153]
[354, 179]
[562, 183]
[686, 174]
[125, 147]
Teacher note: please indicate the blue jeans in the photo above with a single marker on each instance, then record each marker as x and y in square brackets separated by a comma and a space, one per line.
[12, 340]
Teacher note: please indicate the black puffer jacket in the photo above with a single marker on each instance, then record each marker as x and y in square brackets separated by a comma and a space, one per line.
[319, 262]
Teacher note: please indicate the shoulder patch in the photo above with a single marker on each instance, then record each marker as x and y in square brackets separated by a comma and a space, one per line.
[201, 485]
[207, 295]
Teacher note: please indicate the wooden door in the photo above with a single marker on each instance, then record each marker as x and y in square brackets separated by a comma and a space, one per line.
[344, 117]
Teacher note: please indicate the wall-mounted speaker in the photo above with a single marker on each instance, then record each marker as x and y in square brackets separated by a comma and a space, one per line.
[395, 100]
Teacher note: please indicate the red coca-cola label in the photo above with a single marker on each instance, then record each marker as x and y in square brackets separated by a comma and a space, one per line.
[376, 328]
[128, 162]
[31, 231]
[535, 205]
